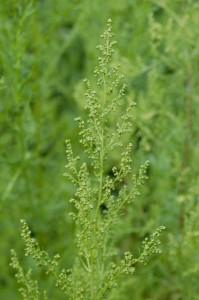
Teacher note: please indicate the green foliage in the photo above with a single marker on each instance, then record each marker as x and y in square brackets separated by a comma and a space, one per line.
[47, 48]
[29, 287]
[96, 270]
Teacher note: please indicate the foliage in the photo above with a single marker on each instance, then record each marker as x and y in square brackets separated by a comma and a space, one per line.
[47, 47]
[96, 270]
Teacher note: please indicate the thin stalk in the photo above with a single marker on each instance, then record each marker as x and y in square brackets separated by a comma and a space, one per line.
[101, 175]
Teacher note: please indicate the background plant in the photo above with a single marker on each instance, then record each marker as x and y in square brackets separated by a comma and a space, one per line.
[159, 61]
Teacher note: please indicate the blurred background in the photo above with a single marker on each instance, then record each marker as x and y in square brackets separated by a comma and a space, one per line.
[47, 48]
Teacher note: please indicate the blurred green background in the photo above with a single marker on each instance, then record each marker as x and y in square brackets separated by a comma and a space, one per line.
[46, 49]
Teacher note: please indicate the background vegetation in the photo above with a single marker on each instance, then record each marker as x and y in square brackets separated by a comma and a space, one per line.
[47, 48]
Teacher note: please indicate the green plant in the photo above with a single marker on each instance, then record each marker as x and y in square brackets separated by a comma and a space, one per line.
[102, 196]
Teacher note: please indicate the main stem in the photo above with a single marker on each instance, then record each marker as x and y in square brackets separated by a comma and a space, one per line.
[101, 158]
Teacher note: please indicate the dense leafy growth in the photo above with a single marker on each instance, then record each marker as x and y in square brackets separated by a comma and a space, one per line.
[96, 270]
[47, 48]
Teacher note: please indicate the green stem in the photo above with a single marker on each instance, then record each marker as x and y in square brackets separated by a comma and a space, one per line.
[101, 175]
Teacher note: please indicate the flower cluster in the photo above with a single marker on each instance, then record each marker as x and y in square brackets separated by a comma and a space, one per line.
[101, 195]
